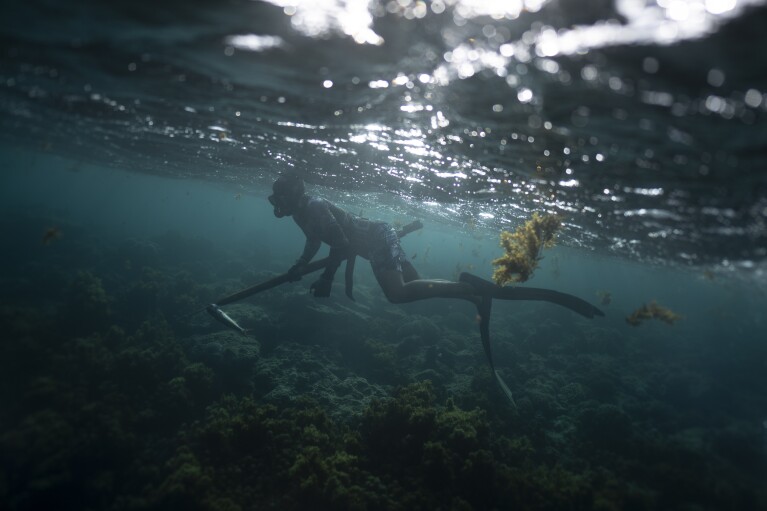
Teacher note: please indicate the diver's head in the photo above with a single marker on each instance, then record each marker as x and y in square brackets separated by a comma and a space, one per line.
[287, 193]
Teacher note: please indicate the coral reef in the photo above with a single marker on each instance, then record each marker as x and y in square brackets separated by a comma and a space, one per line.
[87, 306]
[112, 402]
[523, 248]
[231, 356]
[652, 311]
[296, 369]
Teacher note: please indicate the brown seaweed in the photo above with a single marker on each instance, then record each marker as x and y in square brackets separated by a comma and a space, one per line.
[523, 248]
[652, 310]
[605, 297]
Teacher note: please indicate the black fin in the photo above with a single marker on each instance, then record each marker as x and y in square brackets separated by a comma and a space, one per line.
[349, 277]
[480, 285]
[575, 304]
[484, 309]
[488, 291]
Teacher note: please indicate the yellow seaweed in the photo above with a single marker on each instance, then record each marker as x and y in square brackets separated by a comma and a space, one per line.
[605, 297]
[51, 234]
[652, 311]
[523, 248]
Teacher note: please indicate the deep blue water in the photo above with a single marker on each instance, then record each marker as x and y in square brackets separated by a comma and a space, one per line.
[139, 141]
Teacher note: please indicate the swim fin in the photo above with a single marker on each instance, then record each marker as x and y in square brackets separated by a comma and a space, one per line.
[488, 290]
[349, 276]
[483, 309]
[575, 304]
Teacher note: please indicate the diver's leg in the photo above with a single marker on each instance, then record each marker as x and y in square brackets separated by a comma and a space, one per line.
[409, 272]
[399, 279]
[395, 288]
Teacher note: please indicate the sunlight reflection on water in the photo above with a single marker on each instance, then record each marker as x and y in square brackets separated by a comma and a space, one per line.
[496, 108]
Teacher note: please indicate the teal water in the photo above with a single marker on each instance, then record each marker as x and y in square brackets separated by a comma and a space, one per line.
[101, 321]
[138, 145]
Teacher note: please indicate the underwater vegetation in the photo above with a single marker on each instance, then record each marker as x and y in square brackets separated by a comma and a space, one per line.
[111, 402]
[523, 248]
[51, 234]
[123, 420]
[652, 310]
[605, 297]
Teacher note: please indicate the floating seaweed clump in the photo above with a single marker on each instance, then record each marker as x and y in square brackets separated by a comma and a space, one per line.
[652, 311]
[605, 297]
[523, 248]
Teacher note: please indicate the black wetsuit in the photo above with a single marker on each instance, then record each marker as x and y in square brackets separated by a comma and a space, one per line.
[346, 234]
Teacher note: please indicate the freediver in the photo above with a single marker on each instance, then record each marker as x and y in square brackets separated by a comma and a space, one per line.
[349, 235]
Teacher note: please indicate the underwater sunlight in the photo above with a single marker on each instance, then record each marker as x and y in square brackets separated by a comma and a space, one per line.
[383, 255]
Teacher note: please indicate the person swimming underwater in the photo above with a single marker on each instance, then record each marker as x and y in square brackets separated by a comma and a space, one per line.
[349, 235]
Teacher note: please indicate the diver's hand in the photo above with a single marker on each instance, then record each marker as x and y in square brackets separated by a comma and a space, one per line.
[295, 272]
[321, 287]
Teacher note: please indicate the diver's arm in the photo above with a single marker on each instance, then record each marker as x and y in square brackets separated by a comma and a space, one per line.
[332, 233]
[334, 261]
[321, 288]
[311, 247]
